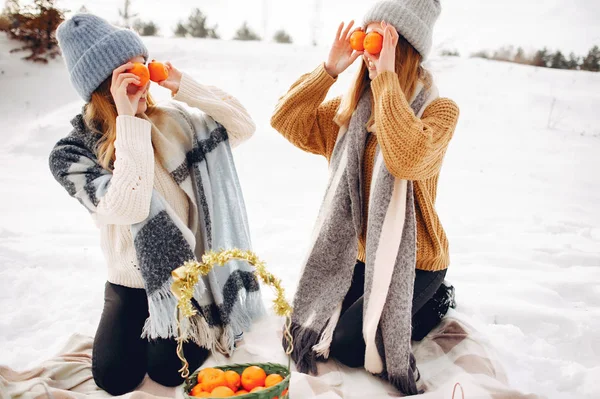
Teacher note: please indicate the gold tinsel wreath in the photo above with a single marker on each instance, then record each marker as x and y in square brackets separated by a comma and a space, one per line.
[187, 276]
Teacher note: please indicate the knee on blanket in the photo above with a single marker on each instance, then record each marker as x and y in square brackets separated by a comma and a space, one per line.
[164, 365]
[118, 380]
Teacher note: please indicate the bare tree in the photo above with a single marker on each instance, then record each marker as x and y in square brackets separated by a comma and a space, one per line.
[35, 26]
[126, 14]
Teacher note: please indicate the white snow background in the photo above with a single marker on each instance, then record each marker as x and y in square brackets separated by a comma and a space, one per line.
[519, 196]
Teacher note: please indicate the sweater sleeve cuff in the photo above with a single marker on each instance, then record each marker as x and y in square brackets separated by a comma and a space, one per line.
[189, 90]
[132, 132]
[321, 79]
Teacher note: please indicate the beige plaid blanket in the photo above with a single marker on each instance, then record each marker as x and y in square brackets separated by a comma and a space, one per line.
[454, 362]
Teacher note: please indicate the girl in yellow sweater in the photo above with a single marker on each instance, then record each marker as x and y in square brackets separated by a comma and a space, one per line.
[391, 125]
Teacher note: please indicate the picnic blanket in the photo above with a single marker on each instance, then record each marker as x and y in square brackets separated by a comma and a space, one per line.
[452, 353]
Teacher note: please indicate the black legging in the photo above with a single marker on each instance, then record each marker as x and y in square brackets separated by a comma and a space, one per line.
[348, 345]
[121, 359]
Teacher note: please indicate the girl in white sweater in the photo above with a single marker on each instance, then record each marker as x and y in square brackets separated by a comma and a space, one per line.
[140, 169]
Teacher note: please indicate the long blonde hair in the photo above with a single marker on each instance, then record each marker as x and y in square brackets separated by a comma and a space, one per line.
[101, 117]
[408, 68]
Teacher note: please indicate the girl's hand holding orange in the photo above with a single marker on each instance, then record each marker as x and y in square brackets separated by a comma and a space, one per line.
[126, 100]
[165, 75]
[141, 71]
[173, 81]
[158, 71]
[387, 57]
[342, 55]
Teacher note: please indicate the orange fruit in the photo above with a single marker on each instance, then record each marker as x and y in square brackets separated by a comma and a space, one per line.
[158, 71]
[257, 389]
[198, 392]
[253, 377]
[233, 380]
[203, 372]
[241, 392]
[273, 379]
[357, 40]
[222, 392]
[200, 375]
[142, 72]
[373, 43]
[213, 378]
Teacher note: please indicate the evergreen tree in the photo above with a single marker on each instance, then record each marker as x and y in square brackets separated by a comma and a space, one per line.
[145, 28]
[592, 61]
[521, 57]
[540, 58]
[281, 36]
[245, 33]
[558, 61]
[573, 62]
[450, 53]
[504, 54]
[481, 54]
[180, 30]
[197, 26]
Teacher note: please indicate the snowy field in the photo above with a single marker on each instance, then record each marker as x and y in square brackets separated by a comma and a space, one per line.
[519, 196]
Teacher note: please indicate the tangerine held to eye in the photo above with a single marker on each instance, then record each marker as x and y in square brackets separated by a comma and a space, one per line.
[158, 71]
[357, 40]
[373, 43]
[142, 72]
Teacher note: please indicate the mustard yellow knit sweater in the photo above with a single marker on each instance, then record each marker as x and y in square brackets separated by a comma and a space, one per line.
[412, 148]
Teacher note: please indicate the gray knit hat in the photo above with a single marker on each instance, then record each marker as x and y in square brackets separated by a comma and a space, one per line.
[93, 48]
[413, 19]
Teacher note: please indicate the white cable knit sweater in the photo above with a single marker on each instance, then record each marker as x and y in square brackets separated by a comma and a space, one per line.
[136, 172]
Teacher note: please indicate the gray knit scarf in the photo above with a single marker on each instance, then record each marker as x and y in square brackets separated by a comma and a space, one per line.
[228, 299]
[390, 259]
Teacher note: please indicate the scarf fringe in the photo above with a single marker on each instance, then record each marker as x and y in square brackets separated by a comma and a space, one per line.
[198, 330]
[161, 306]
[322, 348]
[303, 354]
[162, 323]
[406, 384]
[247, 309]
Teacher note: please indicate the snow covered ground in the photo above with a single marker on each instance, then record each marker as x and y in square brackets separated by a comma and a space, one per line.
[518, 195]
